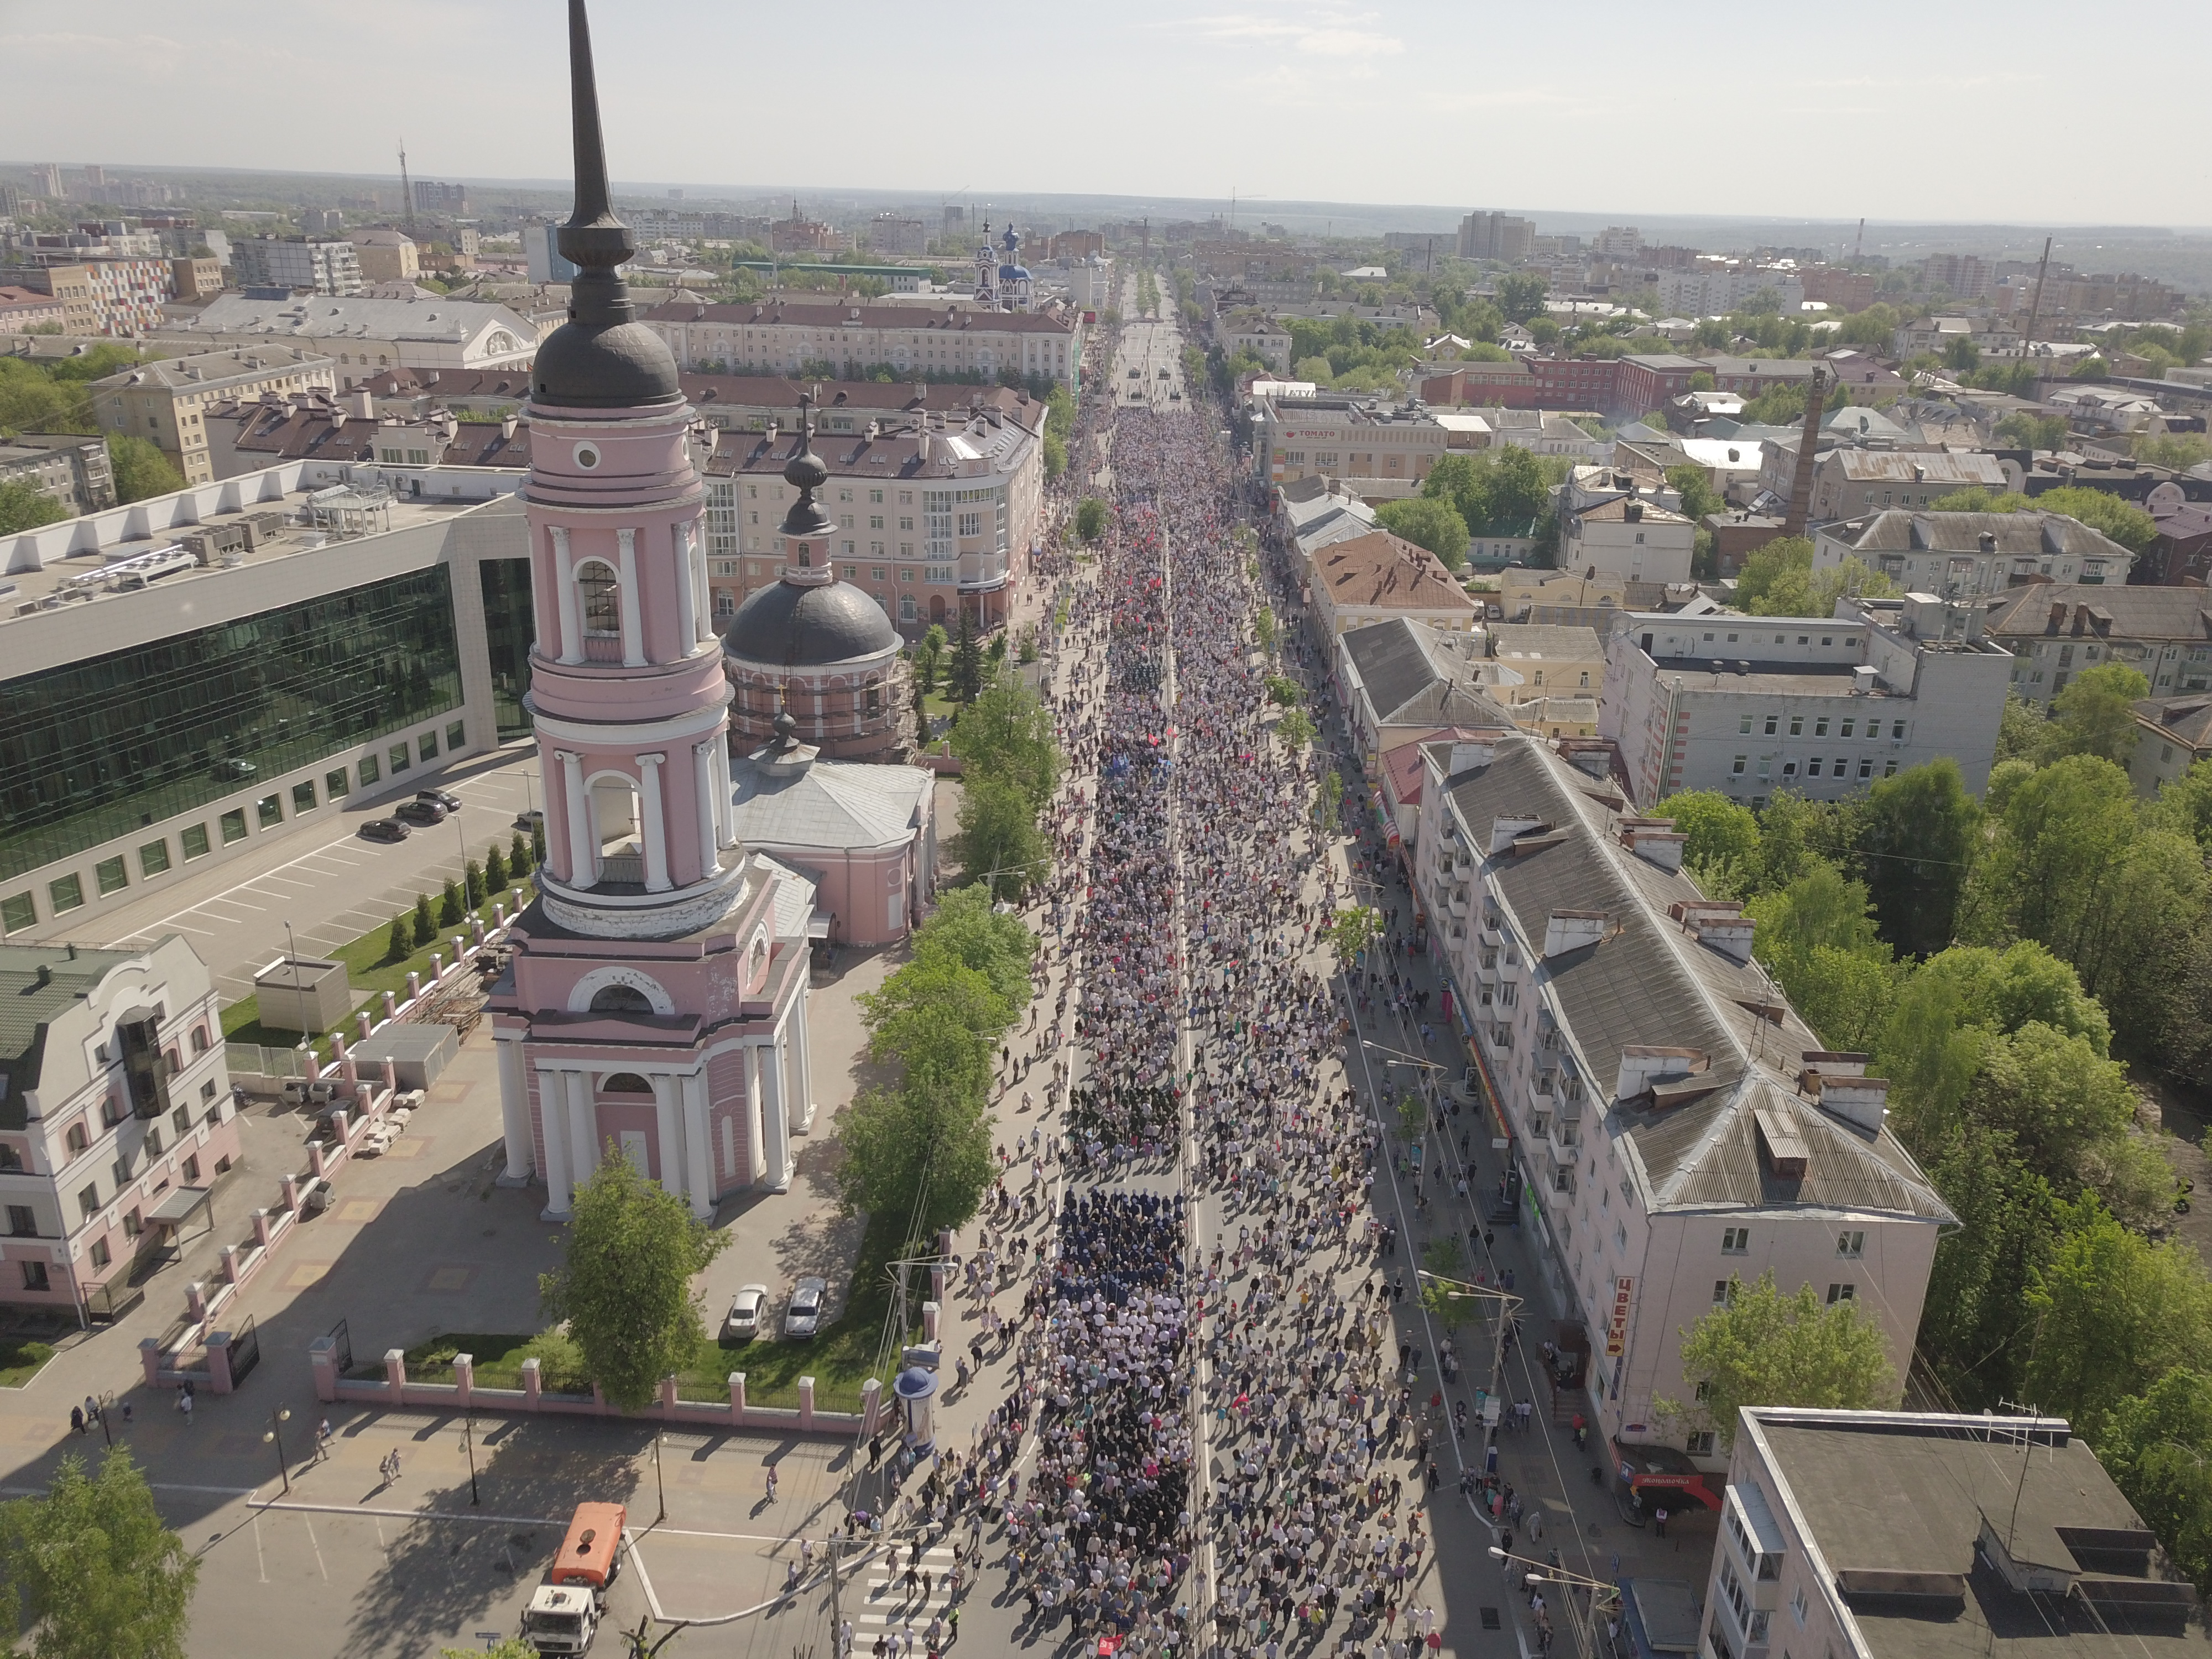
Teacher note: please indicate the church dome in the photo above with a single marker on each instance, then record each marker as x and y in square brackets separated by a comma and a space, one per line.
[788, 626]
[615, 365]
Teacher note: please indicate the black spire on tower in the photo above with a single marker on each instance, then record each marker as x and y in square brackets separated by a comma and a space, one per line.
[602, 357]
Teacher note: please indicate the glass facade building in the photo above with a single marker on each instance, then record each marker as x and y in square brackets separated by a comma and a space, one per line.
[509, 630]
[92, 750]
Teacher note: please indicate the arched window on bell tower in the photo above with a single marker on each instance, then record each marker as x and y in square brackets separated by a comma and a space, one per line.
[600, 590]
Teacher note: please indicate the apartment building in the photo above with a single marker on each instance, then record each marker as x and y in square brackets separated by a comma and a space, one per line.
[1820, 705]
[1259, 334]
[781, 337]
[1403, 679]
[386, 255]
[1963, 555]
[71, 470]
[166, 400]
[1496, 236]
[936, 518]
[1849, 480]
[1904, 1535]
[367, 335]
[1673, 1124]
[1378, 451]
[115, 1115]
[1374, 578]
[121, 297]
[27, 310]
[1548, 660]
[320, 265]
[2055, 630]
[2172, 735]
[1632, 537]
[1709, 292]
[754, 402]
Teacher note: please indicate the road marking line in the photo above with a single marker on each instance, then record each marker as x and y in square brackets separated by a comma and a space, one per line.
[260, 1560]
[317, 1542]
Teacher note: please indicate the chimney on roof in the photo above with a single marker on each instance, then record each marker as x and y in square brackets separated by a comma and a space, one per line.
[1801, 485]
[359, 401]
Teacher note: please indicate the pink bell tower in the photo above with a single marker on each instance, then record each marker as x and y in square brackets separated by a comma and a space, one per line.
[656, 1009]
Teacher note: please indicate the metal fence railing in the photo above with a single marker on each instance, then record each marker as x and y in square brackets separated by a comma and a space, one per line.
[255, 1060]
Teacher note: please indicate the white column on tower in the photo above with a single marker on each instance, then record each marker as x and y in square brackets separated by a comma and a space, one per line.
[754, 1157]
[553, 1120]
[695, 561]
[656, 823]
[696, 1143]
[687, 594]
[633, 615]
[564, 585]
[702, 784]
[513, 1106]
[802, 1105]
[583, 834]
[774, 1119]
[668, 1126]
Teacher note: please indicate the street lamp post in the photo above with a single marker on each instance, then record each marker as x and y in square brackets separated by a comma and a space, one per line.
[468, 1443]
[1507, 1302]
[273, 1436]
[658, 1437]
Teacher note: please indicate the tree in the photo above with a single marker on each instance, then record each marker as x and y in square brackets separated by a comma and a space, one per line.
[1263, 629]
[1295, 728]
[2184, 805]
[2056, 1097]
[1089, 518]
[998, 838]
[1918, 833]
[2095, 713]
[401, 943]
[519, 861]
[1762, 1348]
[425, 925]
[1055, 455]
[2020, 730]
[473, 875]
[965, 677]
[1962, 354]
[141, 468]
[929, 653]
[969, 930]
[91, 1570]
[914, 1152]
[1722, 848]
[1328, 799]
[2157, 1447]
[1690, 483]
[1428, 523]
[2028, 429]
[2114, 1313]
[1282, 691]
[23, 507]
[450, 909]
[1353, 930]
[1007, 734]
[495, 869]
[1521, 294]
[623, 1287]
[1777, 579]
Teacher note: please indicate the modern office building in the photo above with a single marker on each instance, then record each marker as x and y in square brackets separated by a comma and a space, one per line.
[115, 1115]
[184, 677]
[320, 264]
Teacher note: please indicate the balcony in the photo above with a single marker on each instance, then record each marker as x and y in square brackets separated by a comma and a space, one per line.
[1457, 903]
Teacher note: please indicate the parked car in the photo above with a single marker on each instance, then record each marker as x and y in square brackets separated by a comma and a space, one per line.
[425, 812]
[533, 819]
[743, 1324]
[383, 829]
[803, 1317]
[440, 797]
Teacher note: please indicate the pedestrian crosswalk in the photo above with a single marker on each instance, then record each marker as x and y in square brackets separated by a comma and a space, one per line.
[894, 1602]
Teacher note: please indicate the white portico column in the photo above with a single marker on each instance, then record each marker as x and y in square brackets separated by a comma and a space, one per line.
[693, 1085]
[583, 835]
[513, 1107]
[669, 1123]
[633, 619]
[753, 1155]
[802, 1103]
[687, 595]
[553, 1118]
[572, 613]
[776, 1174]
[656, 827]
[695, 564]
[583, 1128]
[703, 777]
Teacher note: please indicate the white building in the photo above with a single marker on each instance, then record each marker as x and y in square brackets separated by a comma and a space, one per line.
[1961, 554]
[1820, 705]
[367, 336]
[1713, 293]
[115, 1115]
[774, 337]
[1674, 1125]
[1633, 539]
[321, 264]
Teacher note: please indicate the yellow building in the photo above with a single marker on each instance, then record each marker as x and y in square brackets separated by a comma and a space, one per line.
[386, 255]
[1552, 661]
[164, 401]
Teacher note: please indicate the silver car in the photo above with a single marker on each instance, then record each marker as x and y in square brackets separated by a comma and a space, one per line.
[803, 1317]
[744, 1322]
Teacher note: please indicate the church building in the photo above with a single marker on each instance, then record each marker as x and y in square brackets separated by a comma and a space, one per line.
[656, 1005]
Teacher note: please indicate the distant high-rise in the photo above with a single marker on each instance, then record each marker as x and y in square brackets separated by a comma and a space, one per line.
[47, 181]
[95, 176]
[1497, 236]
[956, 221]
[431, 197]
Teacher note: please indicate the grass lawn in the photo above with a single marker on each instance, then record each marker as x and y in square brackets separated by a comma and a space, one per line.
[844, 1356]
[366, 971]
[21, 1361]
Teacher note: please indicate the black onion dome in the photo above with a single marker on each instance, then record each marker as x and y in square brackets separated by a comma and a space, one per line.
[602, 357]
[790, 626]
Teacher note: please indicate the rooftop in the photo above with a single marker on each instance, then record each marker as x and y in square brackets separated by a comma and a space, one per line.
[2188, 718]
[1959, 1537]
[209, 371]
[2030, 534]
[827, 806]
[1379, 570]
[37, 983]
[785, 314]
[332, 317]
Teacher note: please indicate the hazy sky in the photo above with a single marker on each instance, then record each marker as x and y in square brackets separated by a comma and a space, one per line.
[1960, 110]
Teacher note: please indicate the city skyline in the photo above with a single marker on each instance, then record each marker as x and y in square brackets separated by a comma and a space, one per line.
[1238, 85]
